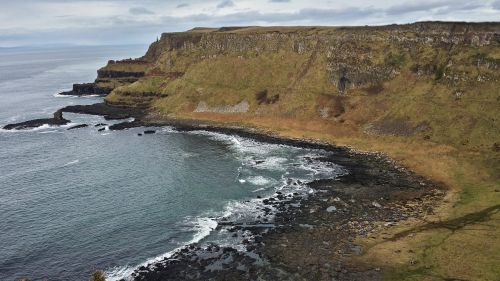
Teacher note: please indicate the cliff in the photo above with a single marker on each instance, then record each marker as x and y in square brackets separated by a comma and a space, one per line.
[427, 94]
[434, 81]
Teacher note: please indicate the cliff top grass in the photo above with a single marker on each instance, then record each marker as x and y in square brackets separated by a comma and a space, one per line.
[455, 26]
[126, 66]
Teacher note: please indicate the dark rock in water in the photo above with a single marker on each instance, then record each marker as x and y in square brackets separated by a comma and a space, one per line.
[58, 115]
[125, 125]
[139, 134]
[101, 129]
[78, 126]
[109, 112]
[100, 125]
[148, 132]
[57, 120]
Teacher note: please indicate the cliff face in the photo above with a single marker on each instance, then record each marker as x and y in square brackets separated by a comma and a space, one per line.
[432, 80]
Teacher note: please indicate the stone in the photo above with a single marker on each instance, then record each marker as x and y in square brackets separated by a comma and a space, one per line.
[331, 209]
[78, 126]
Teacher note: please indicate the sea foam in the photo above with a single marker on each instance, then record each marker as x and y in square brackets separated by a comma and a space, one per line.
[202, 227]
[256, 159]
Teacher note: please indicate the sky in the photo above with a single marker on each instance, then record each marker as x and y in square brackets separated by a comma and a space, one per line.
[116, 22]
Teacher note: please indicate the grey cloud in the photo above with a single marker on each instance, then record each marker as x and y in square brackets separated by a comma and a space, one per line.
[225, 4]
[496, 5]
[414, 6]
[140, 11]
[329, 16]
[427, 6]
[458, 7]
[143, 29]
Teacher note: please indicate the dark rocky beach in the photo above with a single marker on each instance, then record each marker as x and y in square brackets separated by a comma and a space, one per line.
[300, 235]
[309, 236]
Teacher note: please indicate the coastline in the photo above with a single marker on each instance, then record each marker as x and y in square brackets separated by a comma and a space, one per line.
[372, 178]
[421, 96]
[354, 257]
[339, 212]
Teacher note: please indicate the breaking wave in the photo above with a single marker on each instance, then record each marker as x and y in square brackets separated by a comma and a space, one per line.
[295, 167]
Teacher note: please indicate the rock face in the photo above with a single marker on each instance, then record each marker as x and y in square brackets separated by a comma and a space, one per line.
[86, 90]
[428, 74]
[113, 75]
[348, 55]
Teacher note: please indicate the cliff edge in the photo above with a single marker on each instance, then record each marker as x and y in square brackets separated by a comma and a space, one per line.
[427, 94]
[435, 80]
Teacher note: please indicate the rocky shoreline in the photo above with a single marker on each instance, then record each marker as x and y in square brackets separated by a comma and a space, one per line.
[310, 236]
[300, 236]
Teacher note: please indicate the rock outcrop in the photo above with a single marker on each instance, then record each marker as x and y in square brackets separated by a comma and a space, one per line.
[56, 120]
[87, 89]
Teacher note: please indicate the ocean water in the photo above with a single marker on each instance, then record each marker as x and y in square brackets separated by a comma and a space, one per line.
[72, 202]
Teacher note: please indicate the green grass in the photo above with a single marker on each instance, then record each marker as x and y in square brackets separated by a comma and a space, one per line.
[126, 67]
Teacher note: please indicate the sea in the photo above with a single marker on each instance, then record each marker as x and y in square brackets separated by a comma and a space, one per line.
[76, 201]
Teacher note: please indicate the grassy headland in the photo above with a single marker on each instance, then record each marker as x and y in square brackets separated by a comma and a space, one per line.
[426, 94]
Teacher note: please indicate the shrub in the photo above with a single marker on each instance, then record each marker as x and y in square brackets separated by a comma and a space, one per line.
[97, 276]
[261, 96]
[440, 72]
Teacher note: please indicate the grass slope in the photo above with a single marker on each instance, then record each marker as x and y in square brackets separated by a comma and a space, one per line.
[431, 106]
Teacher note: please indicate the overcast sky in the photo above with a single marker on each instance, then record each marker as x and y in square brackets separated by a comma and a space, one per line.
[93, 22]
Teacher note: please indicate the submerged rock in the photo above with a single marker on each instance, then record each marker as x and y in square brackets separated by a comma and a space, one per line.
[78, 126]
